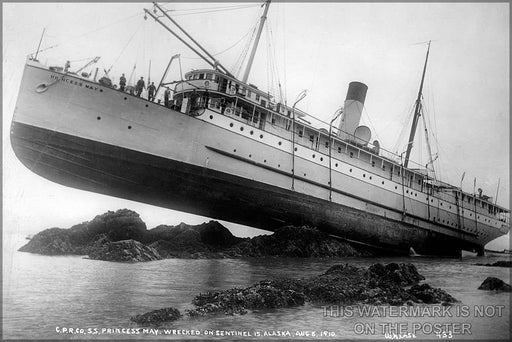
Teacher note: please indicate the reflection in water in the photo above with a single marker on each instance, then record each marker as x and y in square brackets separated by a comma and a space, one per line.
[42, 293]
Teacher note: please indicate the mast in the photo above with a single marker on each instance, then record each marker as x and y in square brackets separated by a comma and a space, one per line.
[417, 111]
[256, 42]
[38, 46]
[215, 62]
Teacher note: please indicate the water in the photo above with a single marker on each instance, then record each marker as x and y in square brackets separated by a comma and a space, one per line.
[44, 294]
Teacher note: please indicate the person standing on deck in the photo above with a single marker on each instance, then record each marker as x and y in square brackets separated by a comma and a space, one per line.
[122, 83]
[151, 91]
[140, 86]
[167, 94]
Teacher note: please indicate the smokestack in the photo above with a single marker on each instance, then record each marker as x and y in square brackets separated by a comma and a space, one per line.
[354, 102]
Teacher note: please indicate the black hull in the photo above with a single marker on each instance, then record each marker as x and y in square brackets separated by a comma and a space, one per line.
[111, 170]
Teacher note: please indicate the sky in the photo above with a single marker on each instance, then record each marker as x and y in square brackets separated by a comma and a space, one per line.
[320, 47]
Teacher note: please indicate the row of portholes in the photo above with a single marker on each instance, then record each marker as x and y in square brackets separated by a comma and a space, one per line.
[336, 165]
[99, 118]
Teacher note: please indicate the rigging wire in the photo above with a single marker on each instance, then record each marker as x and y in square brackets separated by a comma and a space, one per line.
[75, 37]
[274, 62]
[126, 45]
[210, 9]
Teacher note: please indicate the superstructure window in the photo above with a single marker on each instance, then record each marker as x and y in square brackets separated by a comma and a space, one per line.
[201, 76]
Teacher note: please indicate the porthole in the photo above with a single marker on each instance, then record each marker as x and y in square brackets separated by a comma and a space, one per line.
[364, 175]
[304, 175]
[129, 127]
[250, 155]
[265, 161]
[370, 177]
[98, 118]
[278, 165]
[406, 191]
[251, 132]
[279, 143]
[234, 150]
[396, 187]
[336, 164]
[441, 203]
[313, 156]
[101, 90]
[211, 117]
[382, 182]
[321, 159]
[261, 136]
[350, 170]
[241, 128]
[295, 148]
[125, 98]
[147, 105]
[231, 125]
[415, 195]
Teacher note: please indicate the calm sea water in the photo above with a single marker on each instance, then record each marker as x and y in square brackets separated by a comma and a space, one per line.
[42, 295]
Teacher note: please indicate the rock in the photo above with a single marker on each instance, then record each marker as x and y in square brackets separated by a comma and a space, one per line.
[429, 295]
[500, 263]
[207, 240]
[290, 241]
[495, 284]
[81, 238]
[267, 294]
[125, 251]
[340, 284]
[157, 317]
[403, 274]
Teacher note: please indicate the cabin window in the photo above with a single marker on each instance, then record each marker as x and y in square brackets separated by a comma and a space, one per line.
[326, 144]
[257, 97]
[201, 76]
[249, 94]
[209, 77]
[469, 199]
[189, 77]
[195, 77]
[217, 78]
[263, 103]
[300, 133]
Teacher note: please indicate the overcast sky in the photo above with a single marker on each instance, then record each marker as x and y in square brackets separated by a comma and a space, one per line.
[320, 47]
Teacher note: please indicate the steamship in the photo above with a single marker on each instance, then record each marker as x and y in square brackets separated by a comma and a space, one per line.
[223, 148]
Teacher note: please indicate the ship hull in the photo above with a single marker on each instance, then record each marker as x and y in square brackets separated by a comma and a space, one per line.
[120, 172]
[80, 134]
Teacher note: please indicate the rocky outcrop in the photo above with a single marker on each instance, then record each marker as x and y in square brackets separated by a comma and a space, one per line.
[157, 317]
[500, 263]
[495, 284]
[290, 241]
[98, 238]
[207, 240]
[124, 251]
[340, 284]
[82, 238]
